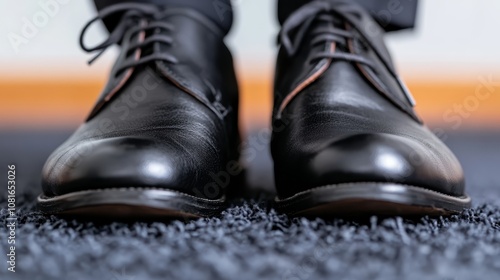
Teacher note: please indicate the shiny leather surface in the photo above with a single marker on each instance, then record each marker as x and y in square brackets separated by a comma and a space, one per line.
[348, 125]
[166, 126]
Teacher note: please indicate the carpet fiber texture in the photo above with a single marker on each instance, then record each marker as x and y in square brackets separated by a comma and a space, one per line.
[250, 240]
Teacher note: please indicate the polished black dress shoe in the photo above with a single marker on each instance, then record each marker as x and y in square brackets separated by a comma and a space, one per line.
[163, 129]
[346, 139]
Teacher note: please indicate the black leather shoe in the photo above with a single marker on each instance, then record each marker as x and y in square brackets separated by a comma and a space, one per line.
[163, 129]
[346, 139]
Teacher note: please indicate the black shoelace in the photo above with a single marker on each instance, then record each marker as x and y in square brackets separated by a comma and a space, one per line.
[302, 19]
[334, 12]
[136, 18]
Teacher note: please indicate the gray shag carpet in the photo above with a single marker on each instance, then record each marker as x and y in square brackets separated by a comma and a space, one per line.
[250, 240]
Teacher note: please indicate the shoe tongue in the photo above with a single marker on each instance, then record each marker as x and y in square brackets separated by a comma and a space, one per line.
[149, 49]
[340, 24]
[320, 24]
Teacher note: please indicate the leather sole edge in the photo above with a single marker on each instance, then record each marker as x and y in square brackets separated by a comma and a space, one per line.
[131, 203]
[370, 198]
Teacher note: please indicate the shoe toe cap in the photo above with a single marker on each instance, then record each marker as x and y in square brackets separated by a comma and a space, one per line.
[383, 158]
[118, 162]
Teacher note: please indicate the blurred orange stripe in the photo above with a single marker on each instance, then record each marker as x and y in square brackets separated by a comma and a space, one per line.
[36, 103]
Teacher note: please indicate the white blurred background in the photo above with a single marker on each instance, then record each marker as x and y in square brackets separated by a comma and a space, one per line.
[456, 37]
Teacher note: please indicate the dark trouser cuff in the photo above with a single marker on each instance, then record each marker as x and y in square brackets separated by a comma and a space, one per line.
[220, 11]
[390, 14]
